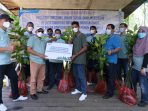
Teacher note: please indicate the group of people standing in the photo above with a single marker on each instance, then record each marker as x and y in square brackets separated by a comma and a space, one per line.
[49, 72]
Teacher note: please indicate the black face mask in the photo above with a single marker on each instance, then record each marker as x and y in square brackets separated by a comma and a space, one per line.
[50, 33]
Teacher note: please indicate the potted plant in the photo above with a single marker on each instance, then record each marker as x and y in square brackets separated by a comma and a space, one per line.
[98, 53]
[19, 40]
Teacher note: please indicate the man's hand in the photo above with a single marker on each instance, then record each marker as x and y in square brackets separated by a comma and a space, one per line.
[73, 57]
[143, 71]
[42, 56]
[109, 52]
[11, 48]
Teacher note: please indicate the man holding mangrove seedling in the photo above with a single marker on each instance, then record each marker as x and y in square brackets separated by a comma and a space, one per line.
[79, 61]
[112, 47]
[6, 66]
[122, 55]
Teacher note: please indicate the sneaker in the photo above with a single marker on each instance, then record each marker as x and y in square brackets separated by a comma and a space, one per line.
[20, 98]
[89, 83]
[43, 92]
[34, 96]
[3, 107]
[49, 87]
[83, 97]
[76, 92]
[142, 104]
[107, 96]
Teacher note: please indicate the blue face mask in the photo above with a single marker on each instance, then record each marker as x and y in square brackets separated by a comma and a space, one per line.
[141, 35]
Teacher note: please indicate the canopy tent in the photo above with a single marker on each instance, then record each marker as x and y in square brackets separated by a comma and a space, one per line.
[127, 6]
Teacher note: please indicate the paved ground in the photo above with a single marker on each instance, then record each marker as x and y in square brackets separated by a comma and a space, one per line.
[55, 101]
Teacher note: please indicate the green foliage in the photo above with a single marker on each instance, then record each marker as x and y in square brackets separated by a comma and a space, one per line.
[19, 40]
[68, 34]
[131, 39]
[97, 52]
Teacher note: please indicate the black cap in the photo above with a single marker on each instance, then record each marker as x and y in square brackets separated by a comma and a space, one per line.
[5, 16]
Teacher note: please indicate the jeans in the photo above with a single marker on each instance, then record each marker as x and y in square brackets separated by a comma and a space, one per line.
[9, 70]
[135, 78]
[144, 87]
[55, 73]
[80, 77]
[110, 78]
[122, 65]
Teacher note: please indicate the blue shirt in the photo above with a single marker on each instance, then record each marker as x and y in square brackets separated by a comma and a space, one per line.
[112, 43]
[123, 53]
[28, 34]
[4, 42]
[38, 45]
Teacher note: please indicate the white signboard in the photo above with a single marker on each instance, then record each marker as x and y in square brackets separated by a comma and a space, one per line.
[58, 51]
[61, 19]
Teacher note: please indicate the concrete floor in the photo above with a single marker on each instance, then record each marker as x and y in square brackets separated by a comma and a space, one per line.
[55, 101]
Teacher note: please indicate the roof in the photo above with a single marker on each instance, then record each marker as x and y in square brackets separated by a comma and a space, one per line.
[128, 6]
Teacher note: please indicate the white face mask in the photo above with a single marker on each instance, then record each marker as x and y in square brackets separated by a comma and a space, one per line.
[57, 36]
[108, 31]
[75, 29]
[6, 24]
[122, 30]
[92, 31]
[39, 34]
[30, 29]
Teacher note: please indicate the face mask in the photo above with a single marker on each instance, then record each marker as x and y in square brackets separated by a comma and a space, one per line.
[92, 31]
[39, 34]
[122, 30]
[75, 29]
[50, 33]
[6, 24]
[30, 29]
[108, 31]
[57, 36]
[141, 35]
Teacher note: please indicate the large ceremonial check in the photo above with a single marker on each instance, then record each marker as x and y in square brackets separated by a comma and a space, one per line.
[59, 51]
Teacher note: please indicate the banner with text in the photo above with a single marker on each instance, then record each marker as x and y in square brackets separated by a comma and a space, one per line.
[61, 19]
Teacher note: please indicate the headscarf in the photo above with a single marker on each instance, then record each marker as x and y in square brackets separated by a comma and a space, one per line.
[141, 46]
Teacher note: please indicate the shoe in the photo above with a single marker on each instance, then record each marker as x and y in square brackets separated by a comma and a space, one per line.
[21, 98]
[76, 92]
[49, 87]
[88, 83]
[83, 97]
[107, 96]
[3, 107]
[142, 104]
[43, 92]
[34, 97]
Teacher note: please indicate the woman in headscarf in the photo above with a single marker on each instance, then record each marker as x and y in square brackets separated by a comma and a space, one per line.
[140, 67]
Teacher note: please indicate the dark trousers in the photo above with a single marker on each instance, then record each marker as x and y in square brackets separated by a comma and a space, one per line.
[47, 72]
[26, 68]
[80, 77]
[55, 73]
[110, 78]
[122, 65]
[143, 80]
[144, 87]
[135, 78]
[9, 70]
